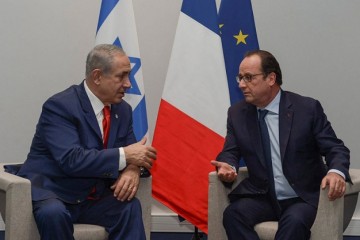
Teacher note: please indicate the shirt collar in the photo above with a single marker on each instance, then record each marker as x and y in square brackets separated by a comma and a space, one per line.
[96, 104]
[273, 106]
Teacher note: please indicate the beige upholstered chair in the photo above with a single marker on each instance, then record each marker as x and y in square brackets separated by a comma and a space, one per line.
[16, 210]
[331, 220]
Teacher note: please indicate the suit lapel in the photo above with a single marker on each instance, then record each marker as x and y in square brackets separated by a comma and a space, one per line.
[114, 124]
[286, 115]
[88, 110]
[255, 137]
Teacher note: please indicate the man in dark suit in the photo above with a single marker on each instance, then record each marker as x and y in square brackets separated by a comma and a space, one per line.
[79, 174]
[282, 138]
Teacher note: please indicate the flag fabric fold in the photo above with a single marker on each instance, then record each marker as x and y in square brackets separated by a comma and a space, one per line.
[238, 35]
[117, 26]
[191, 122]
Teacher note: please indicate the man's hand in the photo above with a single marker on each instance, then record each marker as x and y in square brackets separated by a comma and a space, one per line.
[140, 155]
[336, 185]
[225, 172]
[127, 183]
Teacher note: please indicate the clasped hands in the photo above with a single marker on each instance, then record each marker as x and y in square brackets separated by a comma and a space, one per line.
[137, 155]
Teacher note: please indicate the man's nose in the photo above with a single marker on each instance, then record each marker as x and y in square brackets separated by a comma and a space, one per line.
[242, 84]
[127, 82]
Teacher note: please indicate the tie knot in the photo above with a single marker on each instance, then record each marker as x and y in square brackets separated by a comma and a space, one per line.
[106, 111]
[262, 113]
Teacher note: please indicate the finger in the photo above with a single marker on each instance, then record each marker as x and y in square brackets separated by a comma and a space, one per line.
[117, 188]
[324, 183]
[226, 179]
[147, 165]
[143, 141]
[113, 186]
[124, 193]
[132, 194]
[340, 187]
[150, 155]
[151, 149]
[128, 194]
[228, 174]
[332, 190]
[232, 176]
[150, 161]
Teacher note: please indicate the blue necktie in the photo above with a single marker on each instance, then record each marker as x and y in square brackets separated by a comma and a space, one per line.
[265, 140]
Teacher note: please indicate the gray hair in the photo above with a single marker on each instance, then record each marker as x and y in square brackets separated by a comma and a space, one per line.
[101, 57]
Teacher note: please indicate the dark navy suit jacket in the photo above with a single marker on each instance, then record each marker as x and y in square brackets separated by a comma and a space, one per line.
[67, 157]
[305, 137]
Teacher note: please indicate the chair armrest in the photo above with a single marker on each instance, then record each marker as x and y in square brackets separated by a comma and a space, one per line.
[16, 205]
[218, 201]
[355, 178]
[329, 218]
[144, 195]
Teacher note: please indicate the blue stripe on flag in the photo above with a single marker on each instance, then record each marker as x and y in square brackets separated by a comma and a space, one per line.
[117, 42]
[105, 9]
[140, 122]
[202, 11]
[236, 16]
[134, 86]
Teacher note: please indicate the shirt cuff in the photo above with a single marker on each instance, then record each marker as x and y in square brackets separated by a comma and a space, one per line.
[122, 159]
[338, 172]
[234, 168]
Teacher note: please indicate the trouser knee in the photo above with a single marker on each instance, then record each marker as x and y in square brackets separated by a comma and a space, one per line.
[51, 212]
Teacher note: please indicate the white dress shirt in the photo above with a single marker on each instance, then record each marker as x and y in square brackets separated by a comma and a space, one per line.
[98, 106]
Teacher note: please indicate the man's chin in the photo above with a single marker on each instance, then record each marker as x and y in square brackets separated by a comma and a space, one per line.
[248, 99]
[118, 100]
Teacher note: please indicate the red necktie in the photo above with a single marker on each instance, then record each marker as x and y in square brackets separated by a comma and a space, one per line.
[106, 124]
[106, 130]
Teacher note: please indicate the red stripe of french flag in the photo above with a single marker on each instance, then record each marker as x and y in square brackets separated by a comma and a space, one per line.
[185, 148]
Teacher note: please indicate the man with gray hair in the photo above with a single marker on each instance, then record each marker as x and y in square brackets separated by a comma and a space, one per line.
[84, 163]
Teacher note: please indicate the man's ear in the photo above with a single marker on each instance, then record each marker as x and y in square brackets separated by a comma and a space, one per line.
[96, 75]
[272, 78]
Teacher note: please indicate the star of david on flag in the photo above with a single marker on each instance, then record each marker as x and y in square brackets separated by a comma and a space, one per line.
[116, 26]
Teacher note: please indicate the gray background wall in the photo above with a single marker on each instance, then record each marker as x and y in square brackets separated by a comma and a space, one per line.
[43, 44]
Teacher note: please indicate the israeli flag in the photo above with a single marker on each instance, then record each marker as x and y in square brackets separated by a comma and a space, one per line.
[117, 26]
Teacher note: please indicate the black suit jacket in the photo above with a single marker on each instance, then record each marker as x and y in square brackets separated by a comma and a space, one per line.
[305, 136]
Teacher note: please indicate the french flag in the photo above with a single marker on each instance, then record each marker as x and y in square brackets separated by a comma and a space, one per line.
[191, 123]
